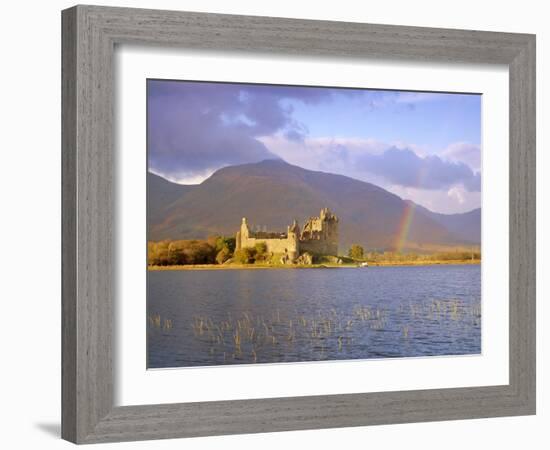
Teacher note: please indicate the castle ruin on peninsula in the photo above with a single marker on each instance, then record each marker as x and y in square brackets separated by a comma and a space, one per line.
[318, 237]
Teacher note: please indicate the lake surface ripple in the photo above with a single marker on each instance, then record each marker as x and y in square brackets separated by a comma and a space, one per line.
[218, 317]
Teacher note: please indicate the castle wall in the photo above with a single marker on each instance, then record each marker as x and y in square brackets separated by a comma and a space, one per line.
[273, 245]
[319, 237]
[319, 247]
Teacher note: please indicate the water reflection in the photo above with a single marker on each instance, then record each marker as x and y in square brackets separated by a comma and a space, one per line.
[198, 318]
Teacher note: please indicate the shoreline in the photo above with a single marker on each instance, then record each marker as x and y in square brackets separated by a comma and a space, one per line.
[312, 266]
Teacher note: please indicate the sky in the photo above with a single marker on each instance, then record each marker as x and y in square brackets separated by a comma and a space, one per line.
[422, 146]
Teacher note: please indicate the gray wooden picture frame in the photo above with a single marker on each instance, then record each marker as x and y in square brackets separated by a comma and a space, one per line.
[90, 34]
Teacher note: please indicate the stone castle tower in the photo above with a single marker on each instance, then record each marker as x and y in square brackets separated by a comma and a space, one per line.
[293, 233]
[319, 236]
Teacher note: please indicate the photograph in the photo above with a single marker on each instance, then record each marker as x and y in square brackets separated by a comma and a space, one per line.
[301, 223]
[267, 225]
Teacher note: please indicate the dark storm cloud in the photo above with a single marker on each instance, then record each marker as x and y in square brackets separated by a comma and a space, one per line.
[194, 127]
[404, 167]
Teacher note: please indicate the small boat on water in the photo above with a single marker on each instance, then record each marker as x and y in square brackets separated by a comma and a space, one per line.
[364, 264]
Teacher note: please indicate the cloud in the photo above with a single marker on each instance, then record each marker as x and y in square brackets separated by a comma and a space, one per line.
[378, 162]
[464, 152]
[399, 100]
[406, 168]
[198, 127]
[455, 200]
[457, 194]
[419, 97]
[322, 153]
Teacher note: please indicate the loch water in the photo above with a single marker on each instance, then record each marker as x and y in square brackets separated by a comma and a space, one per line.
[218, 317]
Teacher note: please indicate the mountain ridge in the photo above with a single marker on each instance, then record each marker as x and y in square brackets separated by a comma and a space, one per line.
[466, 225]
[272, 193]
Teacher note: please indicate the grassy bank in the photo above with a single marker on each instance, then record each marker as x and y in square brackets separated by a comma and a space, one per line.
[425, 263]
[248, 266]
[312, 266]
[219, 253]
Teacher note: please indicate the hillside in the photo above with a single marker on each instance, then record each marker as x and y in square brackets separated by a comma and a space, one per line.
[161, 193]
[272, 193]
[466, 226]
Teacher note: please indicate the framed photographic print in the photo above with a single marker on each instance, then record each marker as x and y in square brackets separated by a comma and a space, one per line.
[268, 222]
[281, 177]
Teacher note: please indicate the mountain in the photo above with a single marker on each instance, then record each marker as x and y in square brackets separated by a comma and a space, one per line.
[161, 193]
[466, 226]
[272, 193]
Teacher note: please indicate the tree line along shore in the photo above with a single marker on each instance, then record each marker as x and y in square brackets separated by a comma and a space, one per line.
[219, 253]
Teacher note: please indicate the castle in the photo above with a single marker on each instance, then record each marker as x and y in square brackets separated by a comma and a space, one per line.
[319, 236]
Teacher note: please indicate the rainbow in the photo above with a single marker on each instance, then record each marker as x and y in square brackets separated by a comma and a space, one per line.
[407, 216]
[404, 226]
